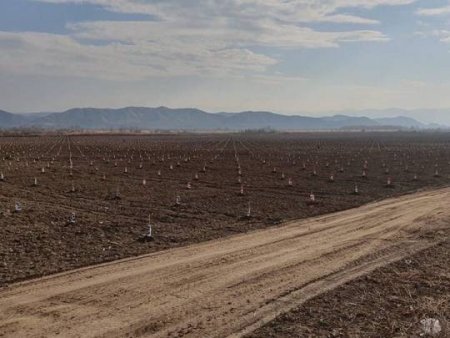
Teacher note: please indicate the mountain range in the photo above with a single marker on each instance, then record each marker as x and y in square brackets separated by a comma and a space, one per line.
[163, 118]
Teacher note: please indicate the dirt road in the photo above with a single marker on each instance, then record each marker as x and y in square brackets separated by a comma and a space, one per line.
[224, 287]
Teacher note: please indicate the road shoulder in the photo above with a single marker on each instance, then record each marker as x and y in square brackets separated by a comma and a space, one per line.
[389, 302]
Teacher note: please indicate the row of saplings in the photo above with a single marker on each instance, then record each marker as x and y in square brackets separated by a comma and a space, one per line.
[149, 236]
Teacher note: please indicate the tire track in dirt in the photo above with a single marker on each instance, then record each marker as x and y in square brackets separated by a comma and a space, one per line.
[226, 287]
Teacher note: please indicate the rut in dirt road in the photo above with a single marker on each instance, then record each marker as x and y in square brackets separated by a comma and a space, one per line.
[223, 287]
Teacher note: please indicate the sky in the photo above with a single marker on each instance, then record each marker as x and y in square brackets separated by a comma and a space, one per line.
[314, 57]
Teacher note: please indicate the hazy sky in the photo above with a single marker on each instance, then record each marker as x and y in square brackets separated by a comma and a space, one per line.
[288, 56]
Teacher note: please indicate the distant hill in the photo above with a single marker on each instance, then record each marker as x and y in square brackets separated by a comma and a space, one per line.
[9, 120]
[403, 121]
[163, 118]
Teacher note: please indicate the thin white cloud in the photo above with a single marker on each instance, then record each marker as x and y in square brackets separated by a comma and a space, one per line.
[50, 54]
[439, 11]
[137, 50]
[294, 11]
[187, 37]
[178, 35]
[442, 34]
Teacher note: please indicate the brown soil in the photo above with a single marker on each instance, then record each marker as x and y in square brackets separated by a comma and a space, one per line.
[389, 302]
[39, 240]
[229, 286]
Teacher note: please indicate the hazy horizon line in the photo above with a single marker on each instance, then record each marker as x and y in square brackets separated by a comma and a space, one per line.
[312, 114]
